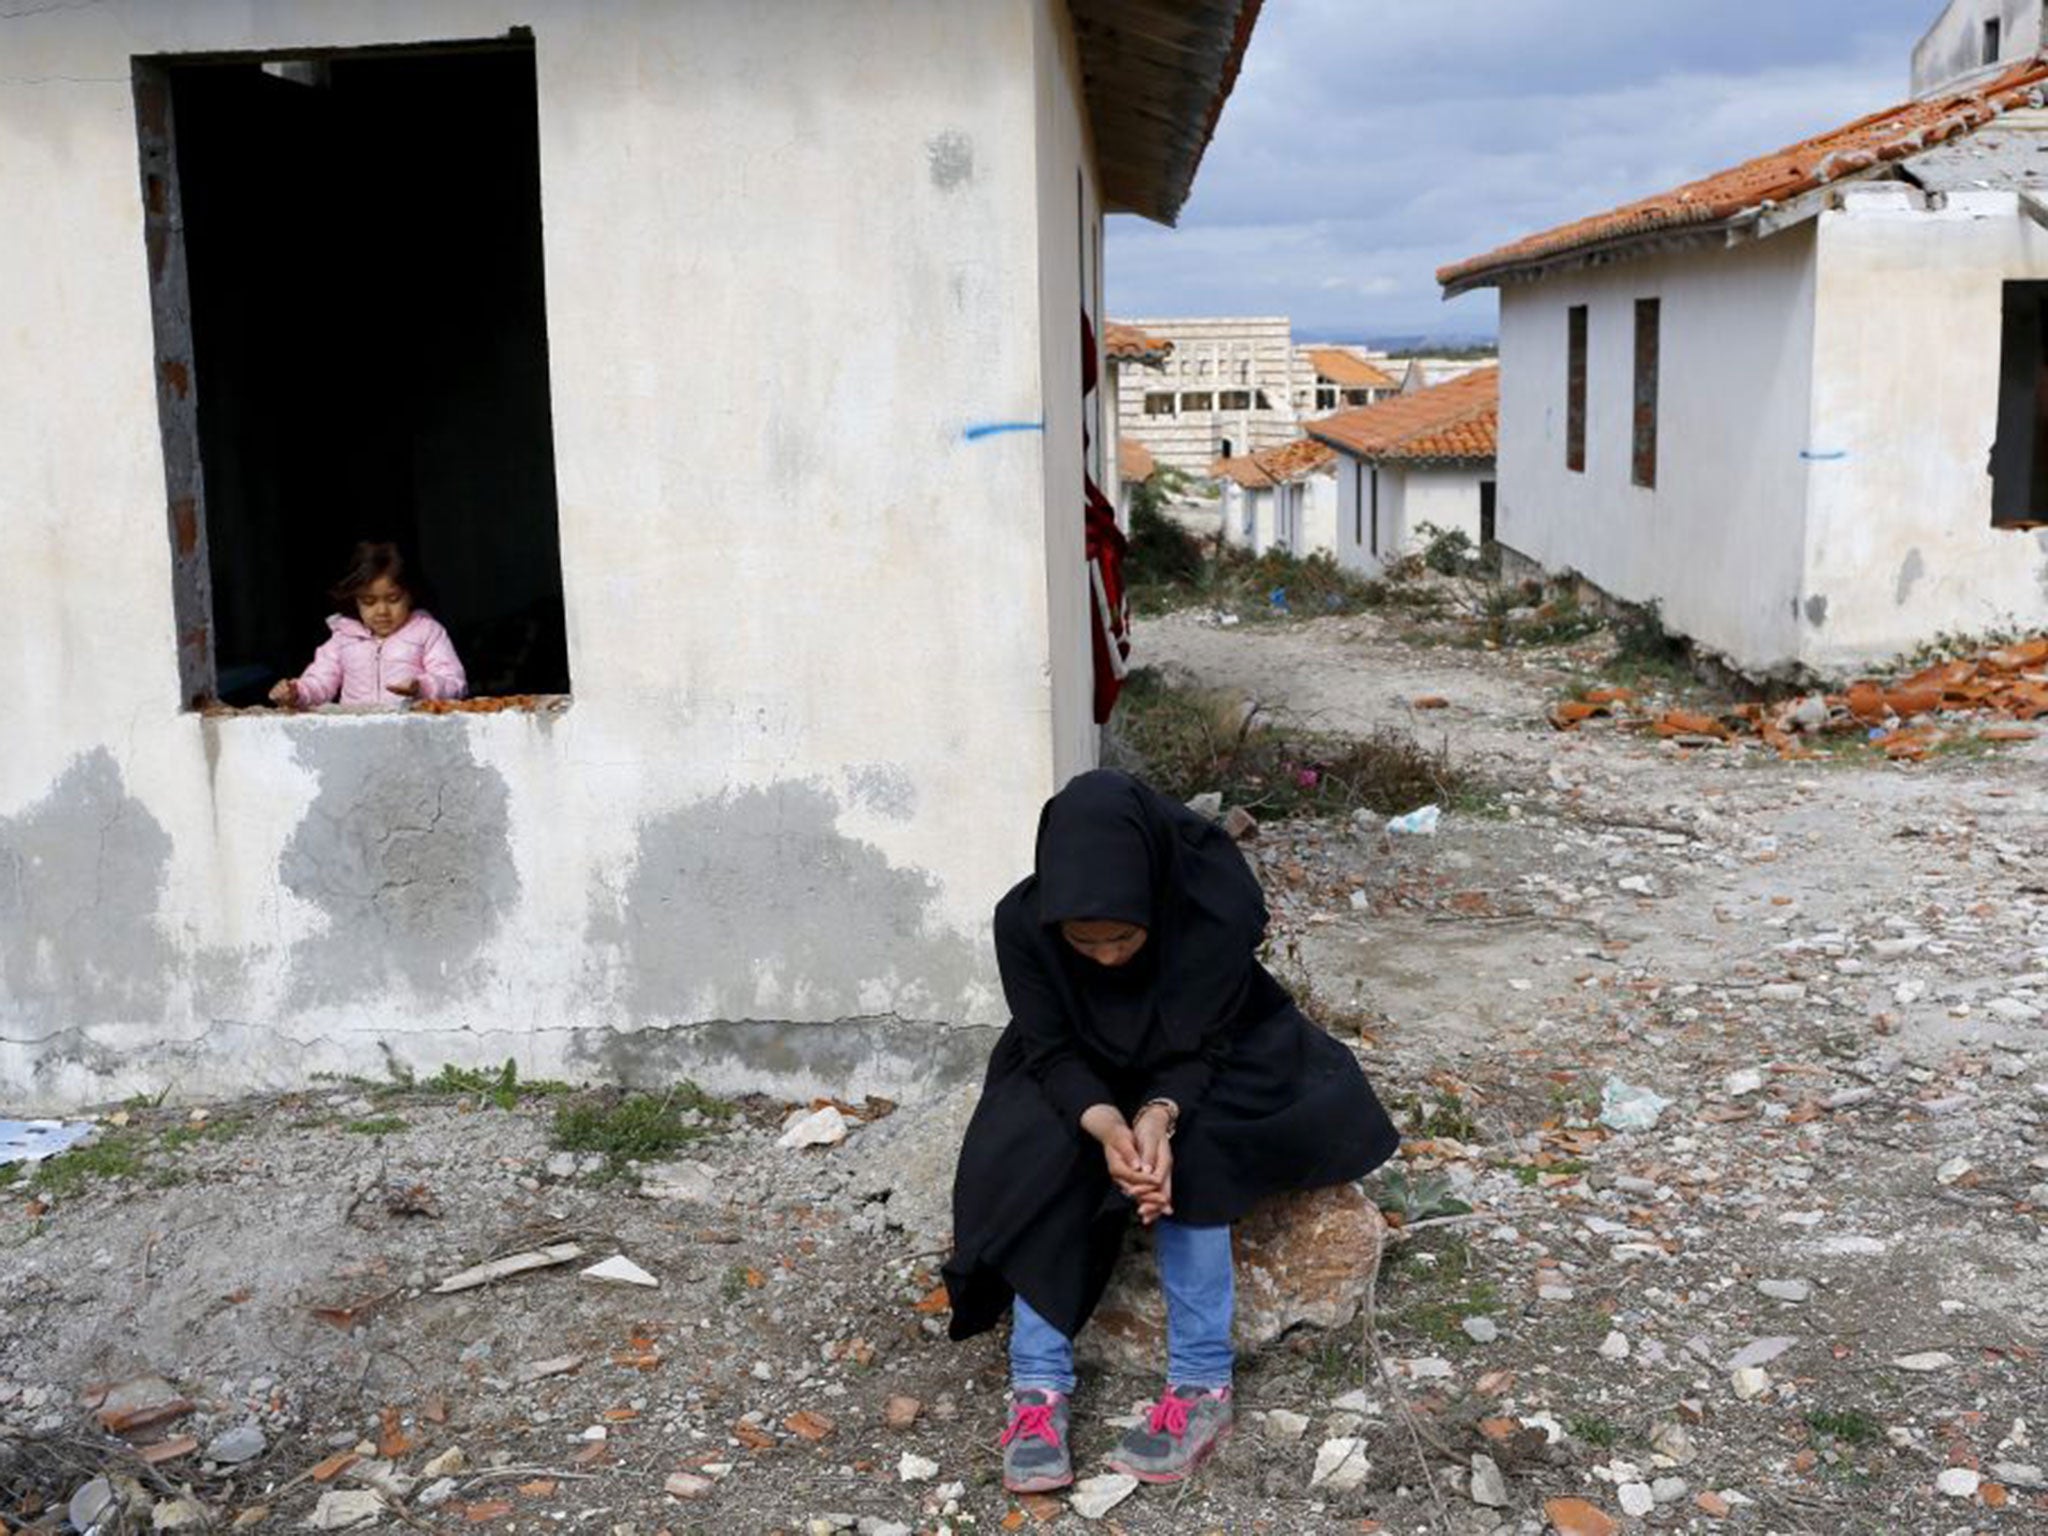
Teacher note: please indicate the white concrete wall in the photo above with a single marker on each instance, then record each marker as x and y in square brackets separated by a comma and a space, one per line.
[1899, 543]
[1952, 49]
[826, 647]
[1721, 540]
[1212, 354]
[1318, 515]
[1445, 497]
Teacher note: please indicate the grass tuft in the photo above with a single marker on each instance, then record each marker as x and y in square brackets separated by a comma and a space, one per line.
[638, 1127]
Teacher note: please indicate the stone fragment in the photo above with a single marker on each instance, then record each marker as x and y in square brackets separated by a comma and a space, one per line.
[1673, 1441]
[1284, 1425]
[900, 1412]
[692, 1182]
[340, 1508]
[1488, 1487]
[93, 1503]
[1094, 1497]
[1480, 1330]
[686, 1485]
[1760, 1352]
[1924, 1362]
[1737, 1084]
[825, 1127]
[1636, 1499]
[620, 1270]
[1240, 825]
[232, 1447]
[913, 1468]
[1786, 1290]
[1341, 1464]
[1614, 1346]
[1302, 1259]
[2021, 1474]
[436, 1493]
[447, 1464]
[178, 1515]
[1711, 1503]
[1952, 1170]
[1667, 1490]
[1750, 1381]
[1958, 1482]
[906, 1161]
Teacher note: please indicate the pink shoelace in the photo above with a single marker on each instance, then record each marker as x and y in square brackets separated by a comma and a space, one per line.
[1170, 1413]
[1033, 1419]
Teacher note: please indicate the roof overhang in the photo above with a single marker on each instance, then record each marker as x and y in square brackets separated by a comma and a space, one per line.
[1155, 75]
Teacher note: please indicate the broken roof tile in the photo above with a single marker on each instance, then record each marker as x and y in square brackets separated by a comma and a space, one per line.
[1122, 343]
[1861, 148]
[1335, 365]
[1275, 466]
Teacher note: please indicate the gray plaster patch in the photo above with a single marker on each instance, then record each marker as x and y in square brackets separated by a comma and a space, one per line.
[762, 881]
[407, 849]
[1910, 572]
[849, 1058]
[1816, 610]
[952, 159]
[81, 872]
[884, 789]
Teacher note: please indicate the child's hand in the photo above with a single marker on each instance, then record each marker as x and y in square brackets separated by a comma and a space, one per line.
[286, 692]
[405, 690]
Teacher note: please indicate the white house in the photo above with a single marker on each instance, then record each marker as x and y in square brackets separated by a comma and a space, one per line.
[1226, 387]
[1281, 498]
[1338, 378]
[1131, 356]
[721, 361]
[1797, 403]
[1134, 466]
[1413, 460]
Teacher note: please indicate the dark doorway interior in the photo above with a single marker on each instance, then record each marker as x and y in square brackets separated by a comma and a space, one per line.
[1486, 514]
[363, 243]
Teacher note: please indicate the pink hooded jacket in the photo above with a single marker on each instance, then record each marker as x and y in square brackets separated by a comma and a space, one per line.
[355, 667]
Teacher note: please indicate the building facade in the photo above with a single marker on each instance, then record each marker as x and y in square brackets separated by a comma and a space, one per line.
[1412, 464]
[731, 817]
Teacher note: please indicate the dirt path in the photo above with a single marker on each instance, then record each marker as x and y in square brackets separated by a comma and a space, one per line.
[1809, 1298]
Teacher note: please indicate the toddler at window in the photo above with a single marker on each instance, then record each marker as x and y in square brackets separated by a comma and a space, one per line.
[381, 646]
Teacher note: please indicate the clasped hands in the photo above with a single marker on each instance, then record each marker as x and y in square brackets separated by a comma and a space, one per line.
[1139, 1154]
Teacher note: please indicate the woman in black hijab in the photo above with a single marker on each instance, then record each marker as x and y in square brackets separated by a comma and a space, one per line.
[1152, 1067]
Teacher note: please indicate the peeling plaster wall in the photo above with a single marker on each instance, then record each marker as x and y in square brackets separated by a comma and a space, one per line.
[794, 254]
[1720, 541]
[1953, 48]
[1906, 365]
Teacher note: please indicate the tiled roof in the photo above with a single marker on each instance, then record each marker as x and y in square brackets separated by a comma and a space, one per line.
[1341, 367]
[1134, 460]
[1275, 466]
[1457, 420]
[1123, 343]
[1856, 149]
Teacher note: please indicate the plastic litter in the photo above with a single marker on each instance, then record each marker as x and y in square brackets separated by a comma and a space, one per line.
[1420, 822]
[30, 1141]
[1627, 1107]
[1278, 598]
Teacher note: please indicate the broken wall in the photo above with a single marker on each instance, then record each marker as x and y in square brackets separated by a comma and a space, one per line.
[793, 256]
[1900, 545]
[1720, 541]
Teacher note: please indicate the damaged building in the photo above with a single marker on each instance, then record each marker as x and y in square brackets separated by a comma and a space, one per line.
[1799, 403]
[722, 365]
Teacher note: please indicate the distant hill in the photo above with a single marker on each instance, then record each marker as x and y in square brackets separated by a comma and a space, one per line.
[1411, 344]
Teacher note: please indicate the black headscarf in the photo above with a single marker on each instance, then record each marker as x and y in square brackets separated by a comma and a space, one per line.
[1112, 849]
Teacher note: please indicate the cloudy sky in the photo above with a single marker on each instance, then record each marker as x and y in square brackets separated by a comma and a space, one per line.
[1369, 142]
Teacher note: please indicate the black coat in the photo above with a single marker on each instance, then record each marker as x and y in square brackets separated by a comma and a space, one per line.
[1269, 1102]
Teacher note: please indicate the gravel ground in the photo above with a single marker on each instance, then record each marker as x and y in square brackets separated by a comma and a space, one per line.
[1808, 1298]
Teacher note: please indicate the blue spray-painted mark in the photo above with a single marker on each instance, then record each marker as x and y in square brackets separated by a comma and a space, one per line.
[983, 429]
[1822, 456]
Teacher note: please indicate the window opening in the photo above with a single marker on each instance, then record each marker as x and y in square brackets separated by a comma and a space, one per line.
[1223, 448]
[1375, 509]
[2019, 455]
[1575, 389]
[351, 338]
[1486, 517]
[1261, 401]
[1358, 397]
[1644, 458]
[1159, 403]
[1326, 399]
[1198, 400]
[1991, 41]
[1235, 400]
[1357, 502]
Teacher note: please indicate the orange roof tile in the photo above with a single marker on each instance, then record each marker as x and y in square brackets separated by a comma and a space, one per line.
[1857, 148]
[1123, 343]
[1455, 420]
[1275, 466]
[1341, 367]
[1134, 460]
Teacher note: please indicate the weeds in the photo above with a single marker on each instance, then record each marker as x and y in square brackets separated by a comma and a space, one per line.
[1448, 551]
[502, 1087]
[1187, 740]
[1850, 1426]
[114, 1155]
[197, 1132]
[1593, 1430]
[1425, 1196]
[379, 1125]
[639, 1127]
[1443, 1114]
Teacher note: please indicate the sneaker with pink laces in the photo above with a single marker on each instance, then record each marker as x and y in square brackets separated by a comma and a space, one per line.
[1185, 1425]
[1035, 1456]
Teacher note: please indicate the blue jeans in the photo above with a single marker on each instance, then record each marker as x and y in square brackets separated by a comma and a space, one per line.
[1201, 1292]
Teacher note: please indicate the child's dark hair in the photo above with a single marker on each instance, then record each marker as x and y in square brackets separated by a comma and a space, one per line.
[370, 561]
